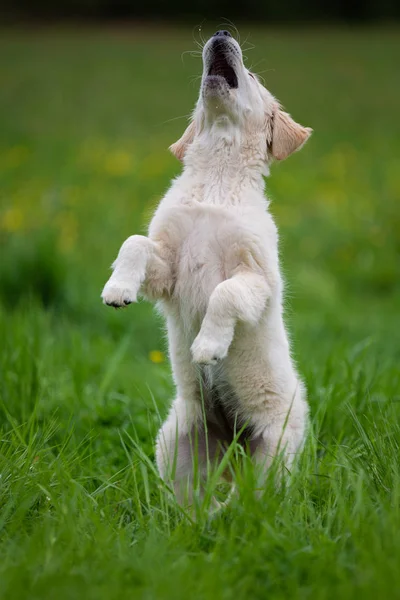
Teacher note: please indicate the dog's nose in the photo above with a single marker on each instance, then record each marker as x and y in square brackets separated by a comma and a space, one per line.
[221, 33]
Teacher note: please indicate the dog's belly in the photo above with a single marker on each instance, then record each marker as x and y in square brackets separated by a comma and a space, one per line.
[224, 419]
[201, 266]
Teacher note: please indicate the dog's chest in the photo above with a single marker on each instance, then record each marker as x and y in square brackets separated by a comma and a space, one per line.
[201, 264]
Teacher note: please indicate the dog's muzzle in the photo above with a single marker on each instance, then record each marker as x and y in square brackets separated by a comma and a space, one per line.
[218, 59]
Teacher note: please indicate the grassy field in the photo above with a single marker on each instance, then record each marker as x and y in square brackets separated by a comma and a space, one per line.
[85, 121]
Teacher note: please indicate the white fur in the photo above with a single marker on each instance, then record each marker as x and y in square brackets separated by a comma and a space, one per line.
[211, 262]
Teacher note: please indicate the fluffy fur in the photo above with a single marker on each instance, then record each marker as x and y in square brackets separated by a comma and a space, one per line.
[211, 262]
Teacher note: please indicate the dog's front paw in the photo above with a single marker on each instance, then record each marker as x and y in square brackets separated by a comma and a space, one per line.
[118, 294]
[208, 350]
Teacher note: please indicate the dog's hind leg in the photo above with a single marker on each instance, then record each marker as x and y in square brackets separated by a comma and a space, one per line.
[280, 434]
[243, 298]
[182, 452]
[186, 446]
[140, 264]
[187, 455]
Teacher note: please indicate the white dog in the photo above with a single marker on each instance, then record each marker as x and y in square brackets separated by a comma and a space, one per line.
[211, 262]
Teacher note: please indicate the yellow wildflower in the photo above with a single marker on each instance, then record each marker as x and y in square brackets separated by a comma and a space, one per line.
[12, 220]
[118, 163]
[156, 356]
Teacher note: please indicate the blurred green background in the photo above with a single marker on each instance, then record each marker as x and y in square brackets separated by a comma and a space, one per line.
[86, 116]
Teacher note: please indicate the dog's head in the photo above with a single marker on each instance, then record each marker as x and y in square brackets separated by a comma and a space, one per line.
[233, 97]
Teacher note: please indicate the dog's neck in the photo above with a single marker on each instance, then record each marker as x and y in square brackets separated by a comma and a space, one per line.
[227, 164]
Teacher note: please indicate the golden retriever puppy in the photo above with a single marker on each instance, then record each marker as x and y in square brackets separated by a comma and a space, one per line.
[211, 262]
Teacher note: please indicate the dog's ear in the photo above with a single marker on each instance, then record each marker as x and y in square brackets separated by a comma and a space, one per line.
[287, 135]
[179, 148]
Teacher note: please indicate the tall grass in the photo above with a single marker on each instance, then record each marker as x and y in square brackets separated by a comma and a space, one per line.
[85, 123]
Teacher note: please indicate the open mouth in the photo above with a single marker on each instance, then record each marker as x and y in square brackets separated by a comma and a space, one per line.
[220, 68]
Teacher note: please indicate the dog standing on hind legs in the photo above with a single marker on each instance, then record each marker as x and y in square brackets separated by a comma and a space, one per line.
[211, 263]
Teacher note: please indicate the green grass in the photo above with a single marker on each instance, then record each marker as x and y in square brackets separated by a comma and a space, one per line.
[85, 120]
